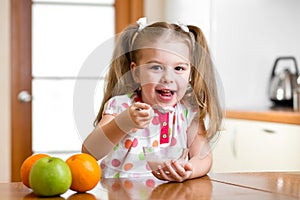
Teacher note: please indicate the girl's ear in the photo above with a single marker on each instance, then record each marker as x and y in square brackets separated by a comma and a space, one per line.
[135, 72]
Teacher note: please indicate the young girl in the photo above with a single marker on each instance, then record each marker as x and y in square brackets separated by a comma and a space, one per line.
[159, 91]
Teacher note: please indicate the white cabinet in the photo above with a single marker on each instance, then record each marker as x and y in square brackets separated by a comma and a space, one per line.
[257, 146]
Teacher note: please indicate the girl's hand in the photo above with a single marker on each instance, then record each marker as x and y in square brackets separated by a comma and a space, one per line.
[141, 114]
[174, 171]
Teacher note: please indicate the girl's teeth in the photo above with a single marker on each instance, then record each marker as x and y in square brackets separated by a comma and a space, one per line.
[165, 92]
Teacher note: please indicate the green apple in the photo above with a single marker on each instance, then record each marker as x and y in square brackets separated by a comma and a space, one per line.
[50, 176]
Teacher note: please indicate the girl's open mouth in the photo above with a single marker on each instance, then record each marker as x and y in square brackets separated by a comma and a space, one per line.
[165, 92]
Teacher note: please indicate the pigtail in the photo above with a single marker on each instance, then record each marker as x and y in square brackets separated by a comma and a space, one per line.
[118, 79]
[204, 83]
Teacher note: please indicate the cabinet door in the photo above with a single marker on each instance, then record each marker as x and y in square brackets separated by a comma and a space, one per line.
[257, 146]
[269, 146]
[225, 152]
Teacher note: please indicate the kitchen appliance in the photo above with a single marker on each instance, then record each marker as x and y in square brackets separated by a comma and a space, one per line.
[296, 99]
[284, 81]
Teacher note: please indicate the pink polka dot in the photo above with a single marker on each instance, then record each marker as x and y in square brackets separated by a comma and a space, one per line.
[146, 132]
[182, 117]
[150, 183]
[125, 105]
[102, 165]
[147, 167]
[134, 142]
[173, 141]
[155, 120]
[178, 128]
[113, 103]
[115, 163]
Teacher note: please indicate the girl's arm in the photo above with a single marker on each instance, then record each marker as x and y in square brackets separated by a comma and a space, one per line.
[199, 150]
[200, 156]
[103, 138]
[110, 130]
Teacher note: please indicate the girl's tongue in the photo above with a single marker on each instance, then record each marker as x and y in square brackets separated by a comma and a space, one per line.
[165, 93]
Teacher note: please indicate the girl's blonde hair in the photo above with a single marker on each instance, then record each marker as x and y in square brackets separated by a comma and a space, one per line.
[203, 82]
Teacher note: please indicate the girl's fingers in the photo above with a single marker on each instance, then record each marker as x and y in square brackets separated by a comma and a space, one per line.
[173, 172]
[157, 175]
[144, 113]
[188, 167]
[167, 173]
[164, 174]
[178, 168]
[141, 114]
[141, 106]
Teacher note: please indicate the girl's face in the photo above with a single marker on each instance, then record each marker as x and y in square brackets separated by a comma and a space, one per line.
[163, 72]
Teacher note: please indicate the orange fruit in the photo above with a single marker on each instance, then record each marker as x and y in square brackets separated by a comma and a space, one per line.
[27, 165]
[86, 172]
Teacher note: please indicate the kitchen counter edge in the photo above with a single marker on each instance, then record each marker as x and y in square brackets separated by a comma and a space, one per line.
[279, 116]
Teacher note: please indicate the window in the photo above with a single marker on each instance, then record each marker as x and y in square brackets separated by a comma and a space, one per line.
[64, 34]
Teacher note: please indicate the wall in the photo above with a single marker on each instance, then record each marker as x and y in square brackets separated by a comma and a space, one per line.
[4, 92]
[248, 36]
[245, 38]
[195, 12]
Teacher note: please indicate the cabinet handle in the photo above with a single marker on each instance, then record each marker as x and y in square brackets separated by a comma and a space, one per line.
[270, 131]
[233, 144]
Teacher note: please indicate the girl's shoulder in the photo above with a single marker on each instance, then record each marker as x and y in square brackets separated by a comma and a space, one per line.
[122, 98]
[189, 111]
[185, 105]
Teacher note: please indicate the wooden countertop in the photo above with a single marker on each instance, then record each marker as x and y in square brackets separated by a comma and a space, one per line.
[263, 186]
[279, 115]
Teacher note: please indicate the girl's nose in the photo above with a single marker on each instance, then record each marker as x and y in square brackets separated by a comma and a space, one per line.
[167, 76]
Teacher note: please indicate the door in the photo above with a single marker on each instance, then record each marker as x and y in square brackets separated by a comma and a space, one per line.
[20, 81]
[23, 77]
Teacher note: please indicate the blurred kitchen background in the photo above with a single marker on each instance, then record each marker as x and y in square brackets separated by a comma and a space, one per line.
[245, 38]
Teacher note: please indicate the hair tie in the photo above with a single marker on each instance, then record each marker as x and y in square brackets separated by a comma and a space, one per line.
[186, 29]
[142, 22]
[183, 27]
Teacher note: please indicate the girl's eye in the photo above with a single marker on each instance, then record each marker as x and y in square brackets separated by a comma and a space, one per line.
[179, 68]
[156, 67]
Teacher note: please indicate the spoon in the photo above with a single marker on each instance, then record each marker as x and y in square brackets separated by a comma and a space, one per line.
[161, 109]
